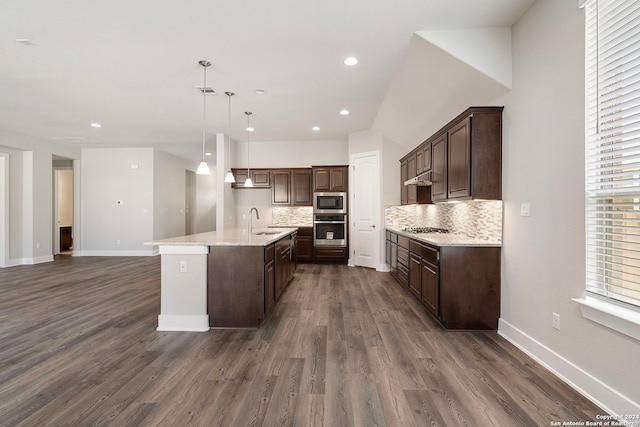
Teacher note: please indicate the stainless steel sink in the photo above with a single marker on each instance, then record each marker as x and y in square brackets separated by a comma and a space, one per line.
[266, 233]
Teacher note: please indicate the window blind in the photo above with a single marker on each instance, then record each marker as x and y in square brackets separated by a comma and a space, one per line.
[612, 125]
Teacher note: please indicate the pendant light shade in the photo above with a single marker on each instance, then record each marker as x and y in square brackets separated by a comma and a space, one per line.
[203, 167]
[229, 176]
[248, 182]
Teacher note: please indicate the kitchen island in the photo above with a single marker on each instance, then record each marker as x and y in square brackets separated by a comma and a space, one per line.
[227, 279]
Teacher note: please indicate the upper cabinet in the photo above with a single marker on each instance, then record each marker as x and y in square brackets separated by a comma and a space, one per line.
[302, 187]
[291, 187]
[261, 178]
[465, 158]
[281, 188]
[330, 178]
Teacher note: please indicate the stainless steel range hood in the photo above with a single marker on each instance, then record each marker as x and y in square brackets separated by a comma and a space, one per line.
[424, 179]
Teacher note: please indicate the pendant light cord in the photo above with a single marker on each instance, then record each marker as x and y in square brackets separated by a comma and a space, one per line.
[204, 109]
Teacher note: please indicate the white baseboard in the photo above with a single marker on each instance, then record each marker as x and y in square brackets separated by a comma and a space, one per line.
[29, 261]
[183, 322]
[383, 268]
[609, 399]
[149, 252]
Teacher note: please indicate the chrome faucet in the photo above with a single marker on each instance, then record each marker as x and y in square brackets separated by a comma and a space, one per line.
[251, 218]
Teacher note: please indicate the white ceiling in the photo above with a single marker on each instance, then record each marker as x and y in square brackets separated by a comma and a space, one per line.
[133, 66]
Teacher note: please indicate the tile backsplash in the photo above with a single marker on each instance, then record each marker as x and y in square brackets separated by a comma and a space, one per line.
[473, 218]
[293, 215]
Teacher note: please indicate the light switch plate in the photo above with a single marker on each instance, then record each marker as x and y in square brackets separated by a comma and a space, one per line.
[525, 209]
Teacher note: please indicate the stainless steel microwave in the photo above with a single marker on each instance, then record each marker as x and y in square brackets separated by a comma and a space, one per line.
[330, 203]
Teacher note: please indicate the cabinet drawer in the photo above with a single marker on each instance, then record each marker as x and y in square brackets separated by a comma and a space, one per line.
[429, 253]
[269, 253]
[403, 275]
[403, 256]
[330, 253]
[403, 242]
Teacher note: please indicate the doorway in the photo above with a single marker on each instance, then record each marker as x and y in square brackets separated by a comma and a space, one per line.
[4, 209]
[63, 233]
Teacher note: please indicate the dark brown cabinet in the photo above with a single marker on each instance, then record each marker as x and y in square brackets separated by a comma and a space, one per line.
[465, 157]
[439, 169]
[404, 189]
[269, 278]
[304, 244]
[459, 285]
[415, 283]
[285, 263]
[423, 157]
[245, 282]
[412, 190]
[302, 187]
[330, 254]
[261, 178]
[459, 161]
[281, 187]
[411, 194]
[330, 178]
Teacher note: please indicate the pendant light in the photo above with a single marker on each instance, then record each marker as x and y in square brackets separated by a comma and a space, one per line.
[248, 182]
[203, 167]
[229, 176]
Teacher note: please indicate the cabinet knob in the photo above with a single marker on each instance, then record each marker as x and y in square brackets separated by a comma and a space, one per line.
[373, 226]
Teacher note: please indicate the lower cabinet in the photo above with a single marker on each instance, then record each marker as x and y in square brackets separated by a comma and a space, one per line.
[330, 254]
[304, 244]
[245, 282]
[458, 285]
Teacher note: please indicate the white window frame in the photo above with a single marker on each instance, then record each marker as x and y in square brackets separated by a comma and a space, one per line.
[610, 179]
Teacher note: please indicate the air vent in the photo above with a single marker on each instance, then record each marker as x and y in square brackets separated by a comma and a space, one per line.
[207, 90]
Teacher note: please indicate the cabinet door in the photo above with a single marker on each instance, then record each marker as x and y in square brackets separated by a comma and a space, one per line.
[459, 161]
[338, 177]
[269, 285]
[404, 175]
[426, 157]
[415, 282]
[302, 188]
[281, 187]
[241, 176]
[420, 161]
[439, 169]
[430, 286]
[261, 178]
[321, 179]
[412, 190]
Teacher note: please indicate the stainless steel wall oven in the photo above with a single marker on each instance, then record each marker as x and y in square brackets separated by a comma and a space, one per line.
[329, 230]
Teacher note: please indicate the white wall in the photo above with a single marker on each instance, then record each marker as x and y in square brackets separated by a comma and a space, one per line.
[168, 195]
[290, 154]
[107, 176]
[544, 255]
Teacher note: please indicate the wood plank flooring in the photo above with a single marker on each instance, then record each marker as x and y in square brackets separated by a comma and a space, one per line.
[344, 347]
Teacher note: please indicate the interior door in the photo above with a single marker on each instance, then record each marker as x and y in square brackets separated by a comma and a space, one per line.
[365, 210]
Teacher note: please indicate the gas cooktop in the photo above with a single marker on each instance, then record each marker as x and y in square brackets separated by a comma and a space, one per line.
[419, 230]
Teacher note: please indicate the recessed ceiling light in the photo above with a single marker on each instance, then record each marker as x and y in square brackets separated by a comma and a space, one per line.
[259, 91]
[315, 128]
[207, 154]
[350, 61]
[96, 125]
[250, 129]
[344, 112]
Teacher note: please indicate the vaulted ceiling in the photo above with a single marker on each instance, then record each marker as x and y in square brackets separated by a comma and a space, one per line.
[133, 68]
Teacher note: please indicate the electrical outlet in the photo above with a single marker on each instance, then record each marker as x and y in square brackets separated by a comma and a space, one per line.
[118, 242]
[525, 209]
[556, 321]
[183, 266]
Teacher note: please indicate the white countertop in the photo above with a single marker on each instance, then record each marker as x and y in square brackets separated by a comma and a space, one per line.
[232, 237]
[448, 239]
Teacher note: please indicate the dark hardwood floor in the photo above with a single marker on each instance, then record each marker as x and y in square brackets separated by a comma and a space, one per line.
[345, 346]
